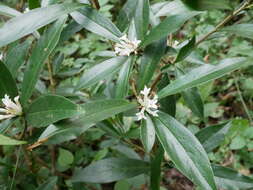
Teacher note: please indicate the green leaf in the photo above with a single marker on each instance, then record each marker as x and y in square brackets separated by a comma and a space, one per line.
[238, 143]
[167, 26]
[16, 56]
[7, 83]
[65, 157]
[122, 185]
[97, 23]
[40, 53]
[186, 50]
[49, 184]
[148, 134]
[8, 141]
[185, 151]
[14, 29]
[207, 4]
[211, 137]
[149, 62]
[110, 170]
[141, 18]
[155, 167]
[122, 85]
[48, 109]
[100, 72]
[229, 179]
[202, 75]
[33, 4]
[243, 30]
[126, 14]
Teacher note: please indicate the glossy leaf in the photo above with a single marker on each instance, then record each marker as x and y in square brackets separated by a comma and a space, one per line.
[8, 141]
[51, 108]
[186, 50]
[207, 4]
[169, 25]
[110, 170]
[202, 75]
[100, 72]
[141, 18]
[122, 85]
[185, 151]
[149, 62]
[40, 53]
[211, 137]
[7, 83]
[243, 30]
[148, 134]
[29, 22]
[229, 179]
[95, 22]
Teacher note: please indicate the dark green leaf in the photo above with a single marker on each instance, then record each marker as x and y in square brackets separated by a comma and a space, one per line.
[51, 108]
[211, 137]
[7, 83]
[243, 30]
[29, 22]
[186, 50]
[185, 151]
[111, 169]
[97, 23]
[149, 62]
[40, 53]
[8, 141]
[100, 72]
[207, 4]
[33, 4]
[202, 75]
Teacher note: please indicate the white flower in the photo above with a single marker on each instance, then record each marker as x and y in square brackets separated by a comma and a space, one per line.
[126, 46]
[147, 104]
[11, 109]
[1, 56]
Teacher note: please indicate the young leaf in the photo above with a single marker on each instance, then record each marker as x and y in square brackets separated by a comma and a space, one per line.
[8, 141]
[207, 4]
[167, 26]
[151, 58]
[141, 18]
[51, 108]
[122, 86]
[243, 30]
[41, 51]
[211, 137]
[100, 72]
[110, 170]
[202, 75]
[95, 22]
[185, 151]
[148, 134]
[29, 22]
[7, 83]
[229, 179]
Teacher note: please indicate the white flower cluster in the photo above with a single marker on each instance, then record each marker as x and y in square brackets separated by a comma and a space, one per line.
[126, 46]
[12, 109]
[147, 104]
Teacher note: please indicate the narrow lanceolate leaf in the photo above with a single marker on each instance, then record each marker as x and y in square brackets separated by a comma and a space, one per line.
[202, 75]
[40, 53]
[97, 23]
[167, 26]
[149, 62]
[211, 137]
[51, 108]
[148, 134]
[207, 4]
[229, 179]
[7, 83]
[100, 72]
[49, 184]
[185, 151]
[110, 170]
[126, 14]
[141, 18]
[99, 110]
[186, 50]
[8, 11]
[16, 56]
[243, 30]
[8, 141]
[122, 86]
[29, 22]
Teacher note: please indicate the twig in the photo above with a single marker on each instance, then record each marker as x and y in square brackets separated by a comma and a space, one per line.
[134, 88]
[224, 21]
